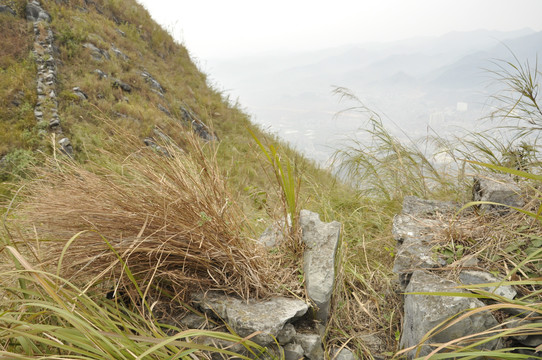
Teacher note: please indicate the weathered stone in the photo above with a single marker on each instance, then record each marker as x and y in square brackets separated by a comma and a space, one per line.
[274, 234]
[117, 83]
[66, 146]
[293, 352]
[119, 53]
[7, 9]
[373, 344]
[77, 91]
[343, 354]
[198, 126]
[468, 277]
[163, 109]
[413, 205]
[424, 312]
[321, 241]
[415, 251]
[246, 317]
[499, 189]
[152, 81]
[527, 340]
[122, 33]
[286, 334]
[34, 12]
[100, 73]
[311, 344]
[194, 321]
[149, 141]
[96, 53]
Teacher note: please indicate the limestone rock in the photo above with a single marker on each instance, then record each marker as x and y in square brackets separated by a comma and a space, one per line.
[197, 125]
[100, 74]
[163, 109]
[343, 354]
[34, 12]
[153, 82]
[77, 91]
[274, 234]
[293, 352]
[286, 334]
[498, 189]
[413, 205]
[423, 312]
[321, 240]
[527, 340]
[96, 53]
[119, 53]
[413, 230]
[7, 9]
[268, 316]
[481, 277]
[66, 146]
[311, 344]
[117, 83]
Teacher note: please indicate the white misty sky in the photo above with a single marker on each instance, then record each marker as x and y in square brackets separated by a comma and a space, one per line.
[222, 29]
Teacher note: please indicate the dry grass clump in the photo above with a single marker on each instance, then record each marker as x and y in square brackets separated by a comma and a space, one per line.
[500, 243]
[169, 219]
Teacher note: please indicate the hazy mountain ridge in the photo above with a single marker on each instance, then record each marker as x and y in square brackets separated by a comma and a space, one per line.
[413, 82]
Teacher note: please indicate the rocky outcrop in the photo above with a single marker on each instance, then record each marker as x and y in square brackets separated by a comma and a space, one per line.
[422, 313]
[7, 9]
[269, 317]
[499, 189]
[321, 241]
[95, 52]
[418, 266]
[34, 12]
[290, 323]
[197, 125]
[46, 109]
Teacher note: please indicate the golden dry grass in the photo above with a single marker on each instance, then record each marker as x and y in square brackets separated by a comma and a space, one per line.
[169, 218]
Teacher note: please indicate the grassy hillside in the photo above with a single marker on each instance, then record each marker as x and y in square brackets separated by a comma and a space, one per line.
[118, 192]
[112, 123]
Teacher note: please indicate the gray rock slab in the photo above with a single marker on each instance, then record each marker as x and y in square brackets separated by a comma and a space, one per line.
[117, 83]
[66, 146]
[246, 317]
[413, 205]
[34, 12]
[273, 235]
[498, 189]
[286, 334]
[415, 248]
[470, 277]
[311, 344]
[7, 9]
[321, 240]
[293, 352]
[424, 312]
[343, 354]
[96, 53]
[527, 340]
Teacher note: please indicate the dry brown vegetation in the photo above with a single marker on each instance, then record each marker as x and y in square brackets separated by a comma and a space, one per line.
[169, 218]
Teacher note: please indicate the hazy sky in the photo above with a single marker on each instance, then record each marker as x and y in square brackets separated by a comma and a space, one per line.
[219, 28]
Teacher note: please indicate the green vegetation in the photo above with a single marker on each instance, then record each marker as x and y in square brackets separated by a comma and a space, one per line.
[121, 217]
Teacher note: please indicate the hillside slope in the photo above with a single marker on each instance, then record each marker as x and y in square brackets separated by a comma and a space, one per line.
[118, 76]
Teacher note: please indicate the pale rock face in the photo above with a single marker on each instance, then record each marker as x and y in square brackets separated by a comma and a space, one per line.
[424, 312]
[321, 240]
[268, 316]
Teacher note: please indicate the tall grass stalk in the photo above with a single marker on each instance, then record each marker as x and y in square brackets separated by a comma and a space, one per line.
[288, 183]
[383, 166]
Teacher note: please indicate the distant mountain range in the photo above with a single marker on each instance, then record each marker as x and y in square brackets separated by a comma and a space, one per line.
[415, 83]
